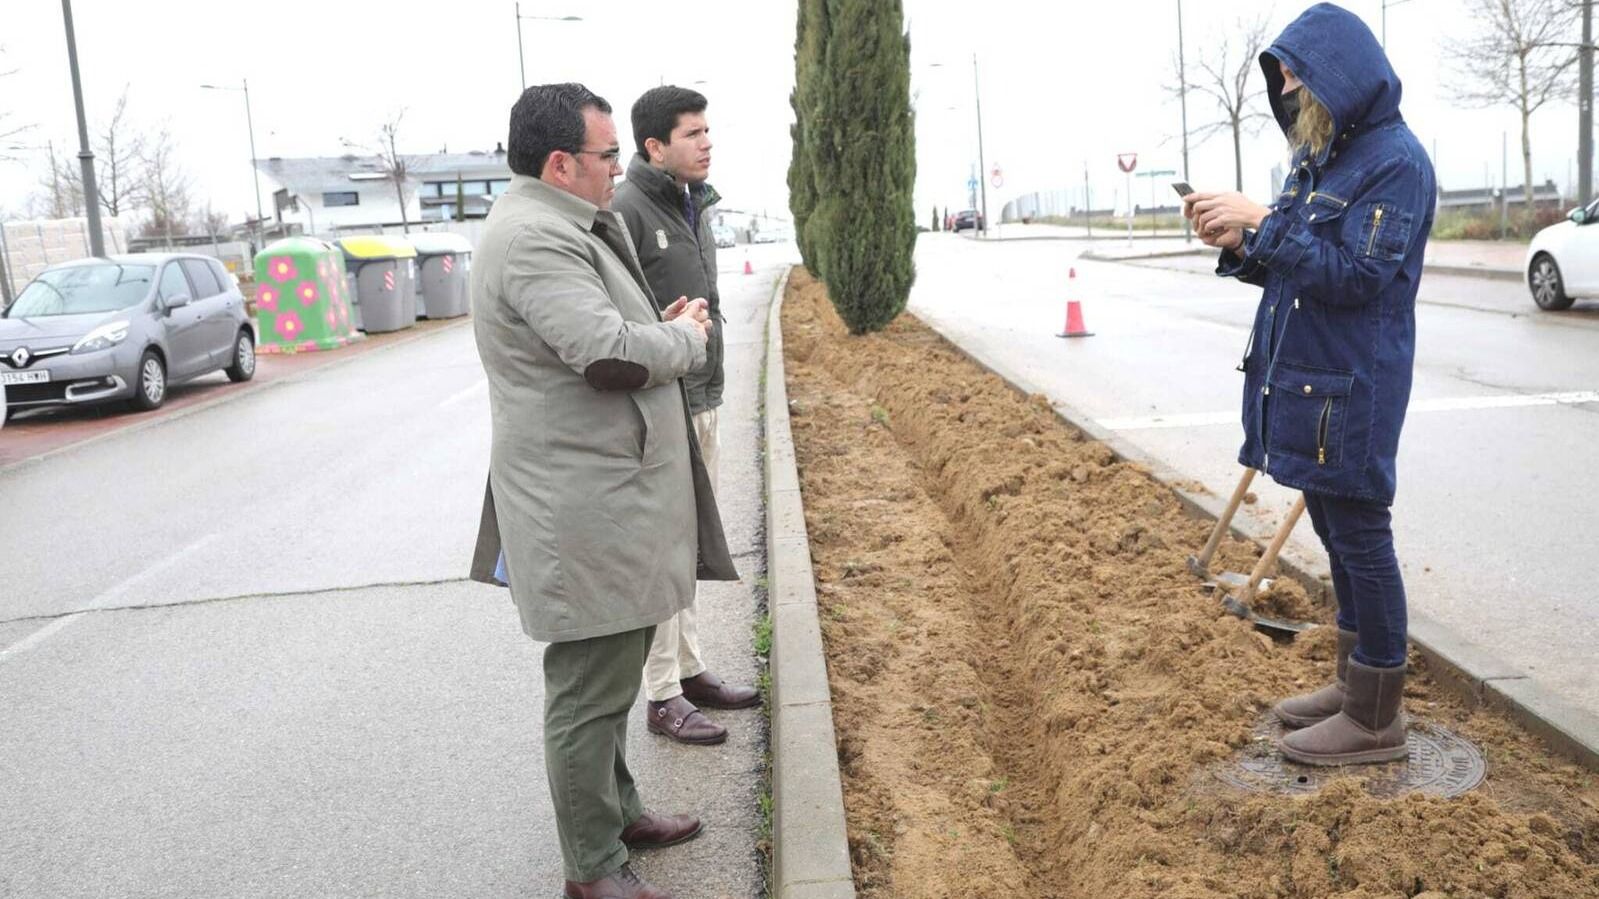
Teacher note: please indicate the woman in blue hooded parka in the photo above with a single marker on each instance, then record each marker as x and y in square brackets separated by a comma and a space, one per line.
[1328, 366]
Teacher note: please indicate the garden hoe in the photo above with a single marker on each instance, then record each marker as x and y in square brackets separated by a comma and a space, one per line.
[1239, 604]
[1199, 566]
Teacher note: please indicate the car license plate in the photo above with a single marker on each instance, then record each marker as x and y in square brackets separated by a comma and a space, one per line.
[25, 377]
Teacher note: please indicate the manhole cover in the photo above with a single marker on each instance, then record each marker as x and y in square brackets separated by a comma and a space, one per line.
[1441, 763]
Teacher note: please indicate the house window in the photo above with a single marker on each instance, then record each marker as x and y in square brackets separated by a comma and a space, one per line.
[496, 188]
[341, 198]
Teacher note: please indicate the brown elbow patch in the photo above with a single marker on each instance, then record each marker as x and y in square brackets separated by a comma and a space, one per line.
[616, 374]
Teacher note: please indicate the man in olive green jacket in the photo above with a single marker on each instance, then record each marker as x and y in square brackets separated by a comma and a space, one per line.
[597, 495]
[667, 206]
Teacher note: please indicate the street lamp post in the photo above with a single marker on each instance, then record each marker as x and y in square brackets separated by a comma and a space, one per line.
[1385, 5]
[521, 60]
[255, 172]
[982, 166]
[91, 197]
[1182, 94]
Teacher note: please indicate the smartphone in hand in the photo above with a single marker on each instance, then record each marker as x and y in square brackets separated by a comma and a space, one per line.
[1182, 187]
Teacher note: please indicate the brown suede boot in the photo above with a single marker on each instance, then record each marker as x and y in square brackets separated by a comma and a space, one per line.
[1371, 727]
[1314, 708]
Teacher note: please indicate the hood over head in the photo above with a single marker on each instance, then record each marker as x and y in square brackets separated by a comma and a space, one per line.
[1340, 61]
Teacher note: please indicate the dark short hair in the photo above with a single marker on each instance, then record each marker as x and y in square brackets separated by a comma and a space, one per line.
[546, 118]
[655, 114]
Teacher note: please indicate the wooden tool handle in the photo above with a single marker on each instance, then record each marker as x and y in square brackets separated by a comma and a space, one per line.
[1275, 547]
[1226, 519]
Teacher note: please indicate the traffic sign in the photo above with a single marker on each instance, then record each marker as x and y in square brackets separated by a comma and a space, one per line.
[1127, 161]
[995, 177]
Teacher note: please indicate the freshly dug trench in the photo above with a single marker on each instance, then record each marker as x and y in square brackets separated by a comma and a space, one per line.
[1031, 692]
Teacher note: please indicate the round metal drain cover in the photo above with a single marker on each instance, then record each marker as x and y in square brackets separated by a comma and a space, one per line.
[1441, 763]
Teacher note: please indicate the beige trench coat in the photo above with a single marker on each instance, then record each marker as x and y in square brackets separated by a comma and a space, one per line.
[596, 488]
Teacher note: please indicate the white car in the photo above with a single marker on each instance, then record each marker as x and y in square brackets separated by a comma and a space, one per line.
[1563, 260]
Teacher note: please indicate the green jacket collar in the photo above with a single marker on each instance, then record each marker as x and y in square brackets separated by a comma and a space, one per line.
[572, 206]
[657, 183]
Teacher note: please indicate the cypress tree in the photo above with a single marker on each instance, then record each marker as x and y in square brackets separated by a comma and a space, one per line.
[864, 163]
[935, 219]
[809, 34]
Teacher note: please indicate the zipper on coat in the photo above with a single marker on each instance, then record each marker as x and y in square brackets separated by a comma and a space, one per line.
[1321, 432]
[1271, 366]
[1376, 227]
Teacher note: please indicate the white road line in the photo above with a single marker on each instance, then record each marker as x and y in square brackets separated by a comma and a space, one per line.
[461, 396]
[106, 598]
[1449, 404]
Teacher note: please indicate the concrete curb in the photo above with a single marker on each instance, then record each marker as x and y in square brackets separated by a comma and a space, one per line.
[1459, 665]
[810, 845]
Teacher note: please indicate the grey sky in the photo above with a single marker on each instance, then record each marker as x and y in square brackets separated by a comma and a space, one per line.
[1063, 83]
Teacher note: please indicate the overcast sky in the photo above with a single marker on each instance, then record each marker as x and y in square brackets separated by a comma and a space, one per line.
[1063, 84]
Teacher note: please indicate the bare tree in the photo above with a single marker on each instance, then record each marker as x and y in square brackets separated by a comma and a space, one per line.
[10, 129]
[116, 157]
[395, 167]
[1519, 53]
[165, 186]
[59, 192]
[208, 221]
[1222, 72]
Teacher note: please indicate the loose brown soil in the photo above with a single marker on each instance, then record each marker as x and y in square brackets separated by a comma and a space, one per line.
[1031, 693]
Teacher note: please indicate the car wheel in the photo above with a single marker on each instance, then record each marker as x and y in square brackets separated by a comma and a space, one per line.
[1548, 291]
[243, 367]
[151, 390]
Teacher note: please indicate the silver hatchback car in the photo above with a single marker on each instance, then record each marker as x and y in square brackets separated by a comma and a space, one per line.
[122, 328]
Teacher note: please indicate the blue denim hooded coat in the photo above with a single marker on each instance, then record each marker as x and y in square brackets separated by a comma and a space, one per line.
[1328, 366]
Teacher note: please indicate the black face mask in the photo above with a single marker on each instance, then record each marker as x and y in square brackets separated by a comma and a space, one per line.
[1290, 104]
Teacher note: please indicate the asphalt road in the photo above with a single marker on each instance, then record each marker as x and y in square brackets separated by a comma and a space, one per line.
[1495, 485]
[238, 656]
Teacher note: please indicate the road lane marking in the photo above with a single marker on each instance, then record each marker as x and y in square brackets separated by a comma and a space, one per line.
[461, 396]
[106, 598]
[1448, 404]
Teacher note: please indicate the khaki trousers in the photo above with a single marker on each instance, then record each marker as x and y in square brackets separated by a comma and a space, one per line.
[675, 654]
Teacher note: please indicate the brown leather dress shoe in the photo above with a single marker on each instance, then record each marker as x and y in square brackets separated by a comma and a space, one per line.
[652, 831]
[623, 884]
[706, 689]
[679, 719]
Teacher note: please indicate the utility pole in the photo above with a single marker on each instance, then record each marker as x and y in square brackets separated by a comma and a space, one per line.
[982, 165]
[1585, 108]
[1504, 184]
[91, 197]
[1182, 94]
[1088, 202]
[521, 63]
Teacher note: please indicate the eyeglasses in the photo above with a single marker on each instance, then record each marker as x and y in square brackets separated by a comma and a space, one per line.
[608, 156]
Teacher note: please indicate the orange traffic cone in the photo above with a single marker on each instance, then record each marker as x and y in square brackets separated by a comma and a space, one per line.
[1074, 310]
[748, 269]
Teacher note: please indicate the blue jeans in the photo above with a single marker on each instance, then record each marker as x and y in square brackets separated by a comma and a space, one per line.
[1359, 539]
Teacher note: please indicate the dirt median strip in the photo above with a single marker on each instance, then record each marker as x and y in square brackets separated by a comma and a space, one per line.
[1031, 696]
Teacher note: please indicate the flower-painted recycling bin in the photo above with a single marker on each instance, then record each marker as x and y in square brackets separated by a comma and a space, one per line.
[444, 270]
[302, 302]
[385, 281]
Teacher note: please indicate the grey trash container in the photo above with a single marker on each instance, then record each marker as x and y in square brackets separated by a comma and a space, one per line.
[385, 283]
[444, 268]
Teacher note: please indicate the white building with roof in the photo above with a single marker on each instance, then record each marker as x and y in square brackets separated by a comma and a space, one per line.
[327, 195]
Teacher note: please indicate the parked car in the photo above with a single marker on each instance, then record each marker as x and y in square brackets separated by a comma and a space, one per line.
[122, 328]
[968, 218]
[772, 234]
[723, 235]
[1563, 260]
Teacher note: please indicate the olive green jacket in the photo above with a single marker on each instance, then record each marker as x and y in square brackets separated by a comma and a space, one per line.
[596, 490]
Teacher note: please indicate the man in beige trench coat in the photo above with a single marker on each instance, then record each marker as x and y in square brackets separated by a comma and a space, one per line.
[597, 494]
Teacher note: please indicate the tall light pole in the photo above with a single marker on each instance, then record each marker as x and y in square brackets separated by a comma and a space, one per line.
[1182, 94]
[1385, 5]
[255, 172]
[982, 165]
[521, 61]
[91, 197]
[1585, 108]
